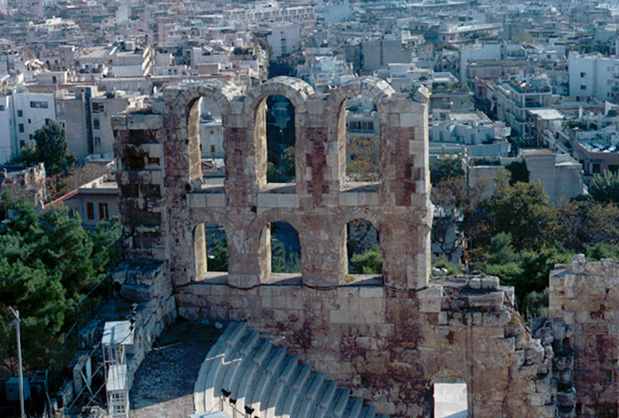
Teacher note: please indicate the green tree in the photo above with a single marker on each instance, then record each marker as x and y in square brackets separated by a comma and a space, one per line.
[46, 266]
[605, 188]
[601, 250]
[51, 149]
[519, 172]
[523, 210]
[106, 249]
[284, 260]
[217, 259]
[526, 270]
[445, 167]
[369, 262]
[584, 222]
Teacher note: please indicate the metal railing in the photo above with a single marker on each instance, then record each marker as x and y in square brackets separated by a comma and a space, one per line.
[83, 311]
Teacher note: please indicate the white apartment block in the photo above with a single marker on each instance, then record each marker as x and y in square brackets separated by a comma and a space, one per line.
[264, 11]
[21, 115]
[593, 75]
[284, 38]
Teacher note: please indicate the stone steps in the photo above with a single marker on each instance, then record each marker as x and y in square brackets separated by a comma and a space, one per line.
[262, 381]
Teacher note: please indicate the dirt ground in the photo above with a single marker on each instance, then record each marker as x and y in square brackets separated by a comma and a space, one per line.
[163, 385]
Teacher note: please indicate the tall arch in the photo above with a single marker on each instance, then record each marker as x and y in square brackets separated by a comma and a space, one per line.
[184, 131]
[379, 91]
[254, 110]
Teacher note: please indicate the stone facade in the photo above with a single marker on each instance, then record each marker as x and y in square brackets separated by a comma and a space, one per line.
[585, 298]
[386, 338]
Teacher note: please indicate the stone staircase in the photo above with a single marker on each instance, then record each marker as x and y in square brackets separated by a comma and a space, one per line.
[245, 372]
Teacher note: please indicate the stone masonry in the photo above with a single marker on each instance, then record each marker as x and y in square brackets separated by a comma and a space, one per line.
[584, 297]
[386, 338]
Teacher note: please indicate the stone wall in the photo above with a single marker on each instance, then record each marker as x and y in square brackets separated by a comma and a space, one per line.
[389, 345]
[386, 337]
[585, 296]
[145, 285]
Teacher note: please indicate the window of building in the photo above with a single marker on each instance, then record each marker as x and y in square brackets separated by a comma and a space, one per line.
[98, 107]
[1, 108]
[96, 123]
[613, 168]
[212, 148]
[583, 75]
[38, 104]
[583, 87]
[90, 211]
[20, 113]
[21, 127]
[103, 214]
[29, 120]
[595, 168]
[97, 140]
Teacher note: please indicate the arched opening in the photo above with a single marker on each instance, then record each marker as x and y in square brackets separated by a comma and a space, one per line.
[210, 249]
[280, 136]
[211, 129]
[450, 398]
[285, 248]
[362, 140]
[216, 247]
[363, 248]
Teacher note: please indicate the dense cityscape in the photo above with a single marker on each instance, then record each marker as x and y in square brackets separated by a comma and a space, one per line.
[154, 152]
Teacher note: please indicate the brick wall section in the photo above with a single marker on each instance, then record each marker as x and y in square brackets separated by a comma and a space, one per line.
[585, 296]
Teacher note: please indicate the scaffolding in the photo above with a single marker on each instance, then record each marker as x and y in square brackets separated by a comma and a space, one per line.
[117, 336]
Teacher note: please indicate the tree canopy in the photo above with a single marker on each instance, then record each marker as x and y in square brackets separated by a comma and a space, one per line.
[523, 210]
[518, 234]
[446, 167]
[48, 262]
[605, 188]
[50, 149]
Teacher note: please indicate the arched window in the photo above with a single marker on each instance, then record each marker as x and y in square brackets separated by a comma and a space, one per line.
[280, 135]
[205, 132]
[210, 249]
[363, 248]
[211, 139]
[362, 140]
[285, 248]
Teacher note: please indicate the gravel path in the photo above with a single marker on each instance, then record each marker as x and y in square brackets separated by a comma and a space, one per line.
[163, 385]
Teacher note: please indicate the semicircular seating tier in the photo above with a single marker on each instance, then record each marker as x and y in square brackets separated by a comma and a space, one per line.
[245, 372]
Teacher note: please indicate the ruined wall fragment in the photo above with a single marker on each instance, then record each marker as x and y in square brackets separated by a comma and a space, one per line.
[585, 296]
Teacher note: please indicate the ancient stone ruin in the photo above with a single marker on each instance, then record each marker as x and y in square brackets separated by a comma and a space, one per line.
[387, 339]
